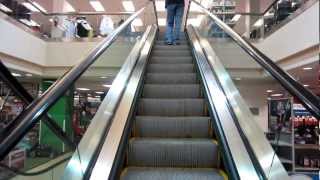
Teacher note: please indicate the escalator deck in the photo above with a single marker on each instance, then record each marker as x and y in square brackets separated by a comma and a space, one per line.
[172, 133]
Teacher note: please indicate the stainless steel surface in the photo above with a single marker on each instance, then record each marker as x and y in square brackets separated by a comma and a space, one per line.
[106, 158]
[218, 102]
[271, 164]
[307, 98]
[103, 118]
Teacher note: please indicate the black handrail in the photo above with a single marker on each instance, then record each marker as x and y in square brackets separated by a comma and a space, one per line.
[31, 115]
[23, 94]
[307, 98]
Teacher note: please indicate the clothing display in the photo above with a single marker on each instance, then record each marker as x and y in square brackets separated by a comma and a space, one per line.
[70, 28]
[106, 26]
[83, 27]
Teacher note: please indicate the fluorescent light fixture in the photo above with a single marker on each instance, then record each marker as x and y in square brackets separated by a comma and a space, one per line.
[30, 7]
[39, 6]
[97, 96]
[137, 22]
[236, 18]
[258, 23]
[276, 95]
[16, 74]
[97, 6]
[307, 68]
[103, 77]
[29, 75]
[269, 91]
[162, 21]
[83, 89]
[160, 5]
[237, 78]
[128, 5]
[29, 22]
[306, 85]
[107, 85]
[99, 92]
[5, 8]
[67, 7]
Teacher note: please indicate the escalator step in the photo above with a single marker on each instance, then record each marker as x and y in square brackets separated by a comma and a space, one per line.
[164, 152]
[145, 173]
[174, 127]
[170, 48]
[162, 42]
[171, 68]
[170, 60]
[171, 78]
[174, 53]
[171, 91]
[171, 107]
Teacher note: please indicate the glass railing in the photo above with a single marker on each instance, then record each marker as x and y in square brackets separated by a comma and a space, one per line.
[40, 152]
[263, 101]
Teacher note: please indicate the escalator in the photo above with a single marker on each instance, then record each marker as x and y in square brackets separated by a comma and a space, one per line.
[172, 112]
[172, 135]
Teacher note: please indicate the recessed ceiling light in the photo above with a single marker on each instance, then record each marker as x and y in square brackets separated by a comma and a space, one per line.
[99, 92]
[103, 77]
[107, 85]
[307, 68]
[83, 89]
[39, 6]
[238, 79]
[29, 75]
[306, 85]
[276, 95]
[67, 7]
[128, 5]
[5, 8]
[30, 7]
[16, 74]
[30, 22]
[97, 6]
[269, 91]
[97, 96]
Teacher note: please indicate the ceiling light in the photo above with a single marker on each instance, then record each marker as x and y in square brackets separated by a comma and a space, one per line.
[307, 68]
[107, 85]
[39, 6]
[103, 77]
[67, 7]
[83, 89]
[137, 22]
[99, 92]
[128, 5]
[160, 5]
[30, 22]
[238, 79]
[258, 23]
[236, 18]
[276, 95]
[306, 85]
[16, 74]
[29, 75]
[162, 21]
[269, 91]
[97, 6]
[5, 8]
[30, 7]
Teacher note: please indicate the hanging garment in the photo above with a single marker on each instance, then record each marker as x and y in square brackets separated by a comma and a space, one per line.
[83, 28]
[70, 28]
[106, 26]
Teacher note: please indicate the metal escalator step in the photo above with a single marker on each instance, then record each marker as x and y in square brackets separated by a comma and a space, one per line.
[170, 68]
[171, 91]
[172, 127]
[171, 78]
[146, 173]
[162, 42]
[171, 48]
[175, 53]
[164, 152]
[171, 107]
[170, 60]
